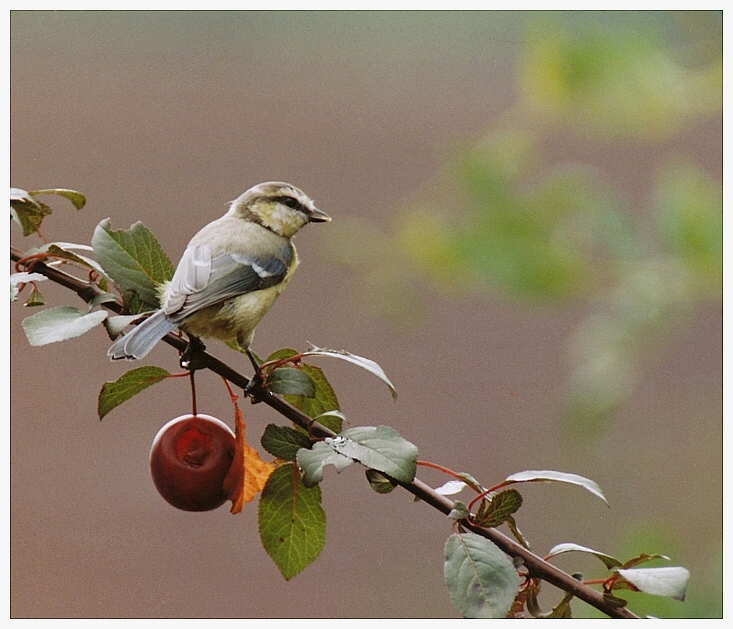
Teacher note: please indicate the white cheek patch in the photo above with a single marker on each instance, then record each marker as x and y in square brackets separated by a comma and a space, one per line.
[285, 220]
[279, 214]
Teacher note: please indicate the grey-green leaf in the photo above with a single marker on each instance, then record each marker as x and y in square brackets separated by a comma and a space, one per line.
[667, 581]
[291, 381]
[313, 461]
[17, 194]
[115, 324]
[533, 476]
[459, 511]
[60, 324]
[77, 198]
[471, 482]
[380, 448]
[609, 561]
[481, 580]
[103, 298]
[65, 250]
[133, 259]
[364, 363]
[451, 487]
[381, 483]
[27, 211]
[17, 279]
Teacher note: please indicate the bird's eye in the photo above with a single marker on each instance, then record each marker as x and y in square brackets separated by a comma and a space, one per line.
[291, 202]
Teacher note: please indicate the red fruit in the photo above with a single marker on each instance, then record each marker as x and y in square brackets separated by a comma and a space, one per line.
[189, 460]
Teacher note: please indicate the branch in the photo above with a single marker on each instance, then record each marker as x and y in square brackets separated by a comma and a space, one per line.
[537, 567]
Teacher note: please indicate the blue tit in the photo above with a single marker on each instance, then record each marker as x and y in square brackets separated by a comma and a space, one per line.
[231, 273]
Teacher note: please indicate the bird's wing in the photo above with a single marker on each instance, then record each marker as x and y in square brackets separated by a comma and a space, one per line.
[192, 275]
[201, 281]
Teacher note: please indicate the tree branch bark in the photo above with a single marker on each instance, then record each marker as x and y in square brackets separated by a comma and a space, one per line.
[537, 567]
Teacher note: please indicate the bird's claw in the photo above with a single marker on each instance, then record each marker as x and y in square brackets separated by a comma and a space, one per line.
[194, 356]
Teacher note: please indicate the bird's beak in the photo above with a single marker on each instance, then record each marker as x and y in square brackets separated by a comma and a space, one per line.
[316, 216]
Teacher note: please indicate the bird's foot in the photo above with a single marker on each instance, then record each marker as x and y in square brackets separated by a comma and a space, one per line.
[194, 356]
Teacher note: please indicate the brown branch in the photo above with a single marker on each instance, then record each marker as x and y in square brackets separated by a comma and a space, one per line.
[537, 567]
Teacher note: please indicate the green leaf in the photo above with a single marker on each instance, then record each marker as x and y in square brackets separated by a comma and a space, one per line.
[284, 442]
[133, 259]
[323, 406]
[34, 299]
[327, 415]
[642, 558]
[562, 609]
[471, 482]
[614, 601]
[291, 521]
[669, 581]
[285, 352]
[364, 363]
[500, 508]
[481, 579]
[64, 251]
[19, 195]
[60, 324]
[103, 298]
[77, 198]
[379, 482]
[533, 476]
[459, 511]
[18, 279]
[609, 561]
[27, 211]
[512, 525]
[321, 454]
[126, 386]
[292, 381]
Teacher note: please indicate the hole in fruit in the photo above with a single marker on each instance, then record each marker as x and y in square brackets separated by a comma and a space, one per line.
[193, 447]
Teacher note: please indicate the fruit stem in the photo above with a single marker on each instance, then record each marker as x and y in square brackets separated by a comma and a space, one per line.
[193, 394]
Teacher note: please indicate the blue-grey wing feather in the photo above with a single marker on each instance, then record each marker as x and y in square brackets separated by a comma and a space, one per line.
[192, 275]
[232, 275]
[141, 339]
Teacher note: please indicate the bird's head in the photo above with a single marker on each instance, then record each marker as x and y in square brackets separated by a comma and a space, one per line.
[278, 206]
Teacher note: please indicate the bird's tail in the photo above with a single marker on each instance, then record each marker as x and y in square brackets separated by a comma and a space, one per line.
[141, 339]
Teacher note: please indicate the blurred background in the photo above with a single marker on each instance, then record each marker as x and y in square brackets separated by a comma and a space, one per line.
[526, 236]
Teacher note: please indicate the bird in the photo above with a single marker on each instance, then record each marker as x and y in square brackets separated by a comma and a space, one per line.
[231, 272]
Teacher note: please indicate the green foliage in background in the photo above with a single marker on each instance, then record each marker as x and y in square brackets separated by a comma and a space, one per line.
[499, 220]
[614, 82]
